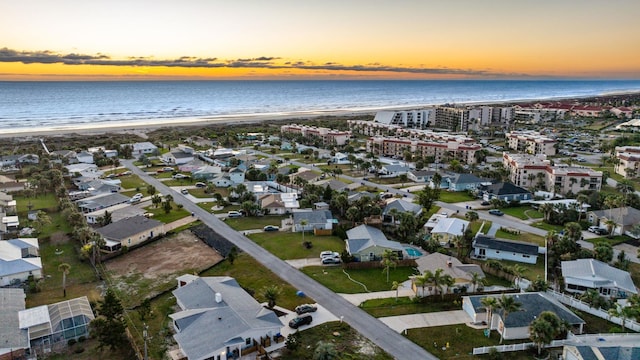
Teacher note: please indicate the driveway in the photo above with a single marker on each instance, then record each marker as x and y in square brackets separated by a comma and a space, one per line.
[300, 263]
[402, 322]
[383, 336]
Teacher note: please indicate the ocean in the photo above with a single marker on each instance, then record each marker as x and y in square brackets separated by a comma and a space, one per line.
[30, 106]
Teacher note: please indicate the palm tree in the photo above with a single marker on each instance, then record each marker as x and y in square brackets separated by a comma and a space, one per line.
[517, 270]
[471, 216]
[389, 258]
[396, 286]
[546, 209]
[507, 304]
[489, 304]
[581, 199]
[476, 279]
[64, 269]
[423, 280]
[545, 328]
[440, 281]
[325, 351]
[271, 294]
[611, 226]
[303, 224]
[623, 312]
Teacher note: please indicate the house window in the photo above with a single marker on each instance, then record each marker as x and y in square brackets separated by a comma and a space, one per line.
[497, 251]
[247, 341]
[526, 256]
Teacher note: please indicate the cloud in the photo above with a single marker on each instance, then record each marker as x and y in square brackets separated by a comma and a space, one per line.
[262, 62]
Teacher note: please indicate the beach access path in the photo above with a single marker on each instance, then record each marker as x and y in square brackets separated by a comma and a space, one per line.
[383, 336]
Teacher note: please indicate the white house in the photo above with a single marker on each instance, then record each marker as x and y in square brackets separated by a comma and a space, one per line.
[584, 274]
[219, 320]
[143, 148]
[177, 157]
[19, 259]
[394, 170]
[447, 229]
[309, 220]
[84, 157]
[486, 247]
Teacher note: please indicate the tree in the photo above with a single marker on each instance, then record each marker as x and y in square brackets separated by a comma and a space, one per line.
[507, 304]
[233, 254]
[427, 196]
[325, 351]
[573, 231]
[109, 327]
[603, 251]
[622, 262]
[271, 294]
[42, 220]
[623, 312]
[151, 190]
[156, 200]
[303, 225]
[546, 209]
[403, 179]
[106, 219]
[64, 269]
[423, 280]
[144, 310]
[389, 258]
[166, 206]
[440, 280]
[545, 328]
[476, 279]
[471, 216]
[396, 285]
[611, 226]
[489, 304]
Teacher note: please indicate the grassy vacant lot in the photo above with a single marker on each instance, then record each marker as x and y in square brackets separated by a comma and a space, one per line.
[523, 212]
[374, 279]
[455, 196]
[160, 215]
[349, 343]
[404, 306]
[618, 239]
[548, 227]
[288, 245]
[522, 236]
[46, 202]
[248, 223]
[475, 226]
[531, 270]
[132, 182]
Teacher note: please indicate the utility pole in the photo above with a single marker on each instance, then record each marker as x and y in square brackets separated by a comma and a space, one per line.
[144, 335]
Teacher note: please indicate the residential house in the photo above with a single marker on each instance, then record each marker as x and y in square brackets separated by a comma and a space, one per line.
[516, 325]
[130, 231]
[7, 204]
[628, 162]
[321, 205]
[420, 176]
[433, 221]
[206, 173]
[339, 159]
[218, 319]
[394, 170]
[62, 155]
[52, 326]
[236, 175]
[102, 201]
[83, 172]
[450, 265]
[9, 223]
[336, 185]
[272, 204]
[106, 152]
[117, 213]
[625, 219]
[177, 157]
[143, 148]
[9, 184]
[19, 259]
[584, 274]
[505, 191]
[15, 340]
[448, 229]
[367, 243]
[487, 247]
[14, 161]
[463, 182]
[400, 206]
[100, 186]
[354, 197]
[84, 157]
[306, 175]
[598, 351]
[222, 181]
[311, 220]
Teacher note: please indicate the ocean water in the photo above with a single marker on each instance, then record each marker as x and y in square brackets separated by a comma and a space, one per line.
[50, 105]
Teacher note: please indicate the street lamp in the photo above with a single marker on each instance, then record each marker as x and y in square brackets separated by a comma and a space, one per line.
[144, 336]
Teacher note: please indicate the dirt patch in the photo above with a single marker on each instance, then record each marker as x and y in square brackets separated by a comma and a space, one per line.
[152, 269]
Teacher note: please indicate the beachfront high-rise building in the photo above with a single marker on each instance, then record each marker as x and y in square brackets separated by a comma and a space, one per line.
[328, 136]
[440, 150]
[372, 128]
[535, 171]
[531, 142]
[410, 119]
[628, 161]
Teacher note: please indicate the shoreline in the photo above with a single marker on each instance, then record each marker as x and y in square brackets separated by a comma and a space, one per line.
[143, 126]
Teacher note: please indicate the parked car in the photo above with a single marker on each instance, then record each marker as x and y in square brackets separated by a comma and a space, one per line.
[167, 169]
[305, 308]
[485, 203]
[271, 228]
[184, 192]
[125, 173]
[496, 212]
[299, 321]
[327, 253]
[200, 185]
[180, 176]
[329, 260]
[234, 214]
[592, 229]
[601, 231]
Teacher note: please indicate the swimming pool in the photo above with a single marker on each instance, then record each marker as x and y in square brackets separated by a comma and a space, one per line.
[412, 252]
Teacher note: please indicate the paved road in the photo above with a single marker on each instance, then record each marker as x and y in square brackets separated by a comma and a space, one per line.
[383, 336]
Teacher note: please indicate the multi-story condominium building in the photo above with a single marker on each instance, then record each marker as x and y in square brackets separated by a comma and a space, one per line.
[502, 114]
[441, 151]
[410, 119]
[372, 128]
[531, 142]
[628, 161]
[530, 171]
[328, 136]
[452, 118]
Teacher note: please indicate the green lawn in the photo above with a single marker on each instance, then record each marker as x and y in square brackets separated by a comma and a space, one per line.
[255, 222]
[548, 227]
[160, 215]
[47, 202]
[618, 239]
[374, 279]
[404, 306]
[522, 236]
[531, 270]
[475, 226]
[455, 196]
[287, 245]
[132, 182]
[523, 212]
[158, 324]
[58, 224]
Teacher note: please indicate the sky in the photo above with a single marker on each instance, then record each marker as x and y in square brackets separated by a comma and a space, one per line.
[328, 39]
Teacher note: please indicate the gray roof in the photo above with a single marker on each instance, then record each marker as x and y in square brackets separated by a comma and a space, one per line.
[207, 326]
[357, 196]
[630, 216]
[402, 206]
[143, 145]
[126, 227]
[102, 201]
[397, 168]
[336, 185]
[587, 353]
[593, 273]
[181, 154]
[11, 303]
[505, 188]
[421, 173]
[532, 304]
[488, 242]
[364, 236]
[620, 353]
[313, 217]
[464, 179]
[17, 266]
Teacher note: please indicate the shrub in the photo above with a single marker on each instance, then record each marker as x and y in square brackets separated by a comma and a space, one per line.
[82, 339]
[71, 342]
[78, 350]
